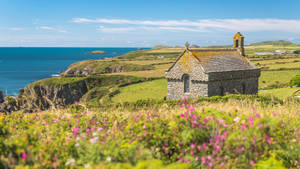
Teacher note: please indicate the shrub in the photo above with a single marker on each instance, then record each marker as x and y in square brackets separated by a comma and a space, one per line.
[295, 81]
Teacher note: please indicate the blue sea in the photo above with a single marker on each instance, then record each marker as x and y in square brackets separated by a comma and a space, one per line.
[20, 66]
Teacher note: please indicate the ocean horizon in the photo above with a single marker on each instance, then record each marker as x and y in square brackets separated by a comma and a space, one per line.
[20, 66]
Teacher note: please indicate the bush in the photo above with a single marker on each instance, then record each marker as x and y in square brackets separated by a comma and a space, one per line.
[295, 81]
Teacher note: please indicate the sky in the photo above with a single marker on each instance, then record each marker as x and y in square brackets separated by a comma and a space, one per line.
[145, 23]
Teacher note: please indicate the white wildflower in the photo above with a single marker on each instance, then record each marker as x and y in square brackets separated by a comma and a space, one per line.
[94, 140]
[77, 138]
[70, 161]
[87, 166]
[237, 119]
[77, 144]
[100, 129]
[94, 134]
[108, 159]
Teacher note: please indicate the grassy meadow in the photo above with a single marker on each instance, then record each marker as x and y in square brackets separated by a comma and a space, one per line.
[239, 132]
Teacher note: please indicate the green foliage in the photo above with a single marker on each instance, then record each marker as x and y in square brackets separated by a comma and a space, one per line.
[295, 81]
[270, 163]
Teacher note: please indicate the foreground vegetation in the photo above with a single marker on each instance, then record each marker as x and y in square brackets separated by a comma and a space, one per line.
[246, 132]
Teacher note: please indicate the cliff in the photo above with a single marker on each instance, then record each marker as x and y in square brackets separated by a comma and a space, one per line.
[60, 92]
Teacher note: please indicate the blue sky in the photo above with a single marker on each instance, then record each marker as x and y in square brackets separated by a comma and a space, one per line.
[144, 23]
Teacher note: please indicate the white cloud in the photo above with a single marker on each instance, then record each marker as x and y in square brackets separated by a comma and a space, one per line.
[115, 30]
[207, 24]
[147, 28]
[48, 28]
[16, 29]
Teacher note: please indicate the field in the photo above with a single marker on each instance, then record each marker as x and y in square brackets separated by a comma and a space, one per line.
[234, 133]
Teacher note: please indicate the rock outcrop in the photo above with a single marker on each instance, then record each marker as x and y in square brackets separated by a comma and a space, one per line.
[59, 92]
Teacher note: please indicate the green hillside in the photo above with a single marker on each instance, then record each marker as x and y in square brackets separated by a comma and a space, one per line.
[275, 43]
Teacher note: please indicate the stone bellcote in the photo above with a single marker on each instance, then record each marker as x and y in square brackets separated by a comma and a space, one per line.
[238, 43]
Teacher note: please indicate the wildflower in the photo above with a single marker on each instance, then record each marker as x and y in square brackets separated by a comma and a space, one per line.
[252, 108]
[182, 115]
[75, 102]
[108, 159]
[252, 163]
[122, 128]
[55, 158]
[88, 131]
[268, 139]
[75, 131]
[100, 129]
[145, 132]
[196, 158]
[275, 114]
[94, 134]
[24, 155]
[182, 98]
[203, 160]
[199, 148]
[221, 121]
[192, 152]
[192, 145]
[94, 140]
[70, 161]
[144, 127]
[87, 165]
[77, 144]
[250, 120]
[237, 119]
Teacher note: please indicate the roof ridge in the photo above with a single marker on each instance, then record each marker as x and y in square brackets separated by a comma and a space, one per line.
[212, 50]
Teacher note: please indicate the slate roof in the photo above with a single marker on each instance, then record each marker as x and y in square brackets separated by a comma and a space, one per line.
[222, 60]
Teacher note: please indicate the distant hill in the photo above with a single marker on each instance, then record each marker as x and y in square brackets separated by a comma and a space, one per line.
[275, 43]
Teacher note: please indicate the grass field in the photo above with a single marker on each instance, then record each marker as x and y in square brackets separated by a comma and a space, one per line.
[272, 77]
[281, 93]
[155, 89]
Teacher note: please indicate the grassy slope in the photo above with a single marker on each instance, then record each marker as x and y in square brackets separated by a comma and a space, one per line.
[147, 90]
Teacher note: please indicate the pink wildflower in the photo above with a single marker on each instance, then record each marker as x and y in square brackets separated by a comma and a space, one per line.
[121, 128]
[75, 102]
[268, 139]
[182, 115]
[199, 148]
[221, 121]
[75, 131]
[250, 120]
[88, 131]
[182, 98]
[145, 132]
[24, 155]
[144, 127]
[192, 145]
[203, 160]
[252, 108]
[55, 158]
[196, 158]
[252, 163]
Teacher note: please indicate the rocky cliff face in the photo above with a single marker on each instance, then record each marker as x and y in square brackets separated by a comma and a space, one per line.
[59, 92]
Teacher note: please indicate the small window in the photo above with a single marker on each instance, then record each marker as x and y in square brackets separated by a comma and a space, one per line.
[221, 91]
[186, 83]
[243, 88]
